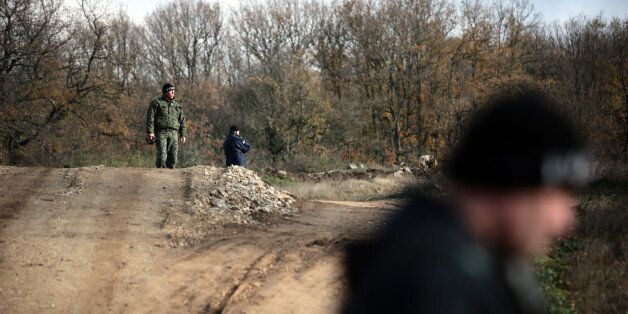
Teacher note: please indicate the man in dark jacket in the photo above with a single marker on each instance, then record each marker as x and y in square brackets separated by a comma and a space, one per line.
[235, 147]
[510, 194]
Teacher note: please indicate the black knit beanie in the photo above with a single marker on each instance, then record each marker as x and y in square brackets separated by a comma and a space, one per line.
[166, 88]
[518, 141]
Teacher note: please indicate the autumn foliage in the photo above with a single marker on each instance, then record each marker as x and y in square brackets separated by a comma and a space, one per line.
[310, 83]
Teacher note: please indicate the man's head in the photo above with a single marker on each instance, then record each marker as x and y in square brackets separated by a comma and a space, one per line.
[515, 170]
[234, 129]
[168, 90]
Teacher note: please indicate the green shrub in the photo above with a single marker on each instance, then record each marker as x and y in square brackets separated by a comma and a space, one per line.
[278, 181]
[550, 271]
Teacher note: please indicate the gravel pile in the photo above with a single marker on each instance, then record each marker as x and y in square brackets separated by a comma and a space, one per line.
[234, 189]
[218, 197]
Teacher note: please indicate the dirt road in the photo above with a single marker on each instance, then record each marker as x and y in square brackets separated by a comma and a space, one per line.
[89, 240]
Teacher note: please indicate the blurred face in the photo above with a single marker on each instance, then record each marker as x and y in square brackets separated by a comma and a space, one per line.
[170, 94]
[529, 220]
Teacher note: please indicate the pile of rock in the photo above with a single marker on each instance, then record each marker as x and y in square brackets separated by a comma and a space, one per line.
[427, 162]
[425, 165]
[357, 167]
[217, 197]
[234, 189]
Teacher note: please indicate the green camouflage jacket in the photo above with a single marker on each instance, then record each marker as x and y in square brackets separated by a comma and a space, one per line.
[165, 115]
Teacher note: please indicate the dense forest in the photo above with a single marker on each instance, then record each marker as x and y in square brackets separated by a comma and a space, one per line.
[312, 84]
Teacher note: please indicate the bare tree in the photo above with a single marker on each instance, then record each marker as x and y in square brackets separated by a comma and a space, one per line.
[126, 52]
[86, 56]
[396, 43]
[274, 32]
[618, 62]
[331, 45]
[29, 30]
[31, 39]
[183, 39]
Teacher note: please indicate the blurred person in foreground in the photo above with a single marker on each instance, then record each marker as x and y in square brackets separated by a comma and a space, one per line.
[235, 148]
[165, 126]
[511, 186]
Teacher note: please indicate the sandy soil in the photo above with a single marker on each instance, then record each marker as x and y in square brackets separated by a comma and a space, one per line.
[90, 240]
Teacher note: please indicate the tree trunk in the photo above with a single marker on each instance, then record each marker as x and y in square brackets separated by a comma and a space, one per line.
[626, 125]
[397, 141]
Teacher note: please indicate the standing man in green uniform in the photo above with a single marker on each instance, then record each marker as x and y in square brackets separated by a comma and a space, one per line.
[165, 124]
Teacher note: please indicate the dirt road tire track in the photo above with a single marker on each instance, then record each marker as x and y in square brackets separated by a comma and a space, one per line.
[18, 187]
[89, 240]
[124, 212]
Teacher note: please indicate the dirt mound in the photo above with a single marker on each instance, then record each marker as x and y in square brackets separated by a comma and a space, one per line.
[216, 197]
[235, 189]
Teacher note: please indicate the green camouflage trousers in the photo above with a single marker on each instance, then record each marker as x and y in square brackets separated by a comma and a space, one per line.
[167, 147]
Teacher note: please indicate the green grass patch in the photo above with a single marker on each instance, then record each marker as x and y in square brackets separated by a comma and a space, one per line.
[550, 271]
[278, 181]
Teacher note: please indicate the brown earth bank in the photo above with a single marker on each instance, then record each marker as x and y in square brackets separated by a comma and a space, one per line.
[97, 239]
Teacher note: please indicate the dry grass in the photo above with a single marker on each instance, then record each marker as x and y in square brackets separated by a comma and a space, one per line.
[598, 272]
[598, 276]
[588, 272]
[352, 189]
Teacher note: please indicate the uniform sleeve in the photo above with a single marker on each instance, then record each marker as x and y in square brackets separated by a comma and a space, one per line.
[150, 118]
[182, 129]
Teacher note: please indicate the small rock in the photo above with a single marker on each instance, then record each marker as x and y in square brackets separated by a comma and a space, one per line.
[353, 166]
[427, 161]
